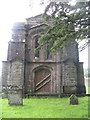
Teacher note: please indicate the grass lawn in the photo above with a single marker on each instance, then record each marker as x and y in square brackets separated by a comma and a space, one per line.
[46, 108]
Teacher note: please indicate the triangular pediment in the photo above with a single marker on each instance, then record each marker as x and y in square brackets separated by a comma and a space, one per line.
[70, 61]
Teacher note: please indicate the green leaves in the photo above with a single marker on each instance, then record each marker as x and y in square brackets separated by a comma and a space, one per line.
[69, 23]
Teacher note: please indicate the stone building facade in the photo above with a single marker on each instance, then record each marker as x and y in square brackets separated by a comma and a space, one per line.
[39, 73]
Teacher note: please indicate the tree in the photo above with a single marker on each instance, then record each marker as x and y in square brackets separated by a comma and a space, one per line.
[69, 23]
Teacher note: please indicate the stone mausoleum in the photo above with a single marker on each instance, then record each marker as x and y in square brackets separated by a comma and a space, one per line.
[40, 73]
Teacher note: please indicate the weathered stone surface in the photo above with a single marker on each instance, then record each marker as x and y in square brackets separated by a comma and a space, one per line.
[15, 95]
[81, 83]
[66, 71]
[4, 92]
[73, 100]
[16, 50]
[16, 75]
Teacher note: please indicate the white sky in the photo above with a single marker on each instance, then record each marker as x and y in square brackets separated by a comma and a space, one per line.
[15, 11]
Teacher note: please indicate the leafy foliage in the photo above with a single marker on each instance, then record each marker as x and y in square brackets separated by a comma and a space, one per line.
[69, 23]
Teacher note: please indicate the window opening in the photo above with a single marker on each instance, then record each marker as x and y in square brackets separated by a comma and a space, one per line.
[36, 45]
[48, 51]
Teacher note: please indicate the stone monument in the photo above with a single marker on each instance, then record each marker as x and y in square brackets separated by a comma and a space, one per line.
[73, 100]
[15, 95]
[40, 73]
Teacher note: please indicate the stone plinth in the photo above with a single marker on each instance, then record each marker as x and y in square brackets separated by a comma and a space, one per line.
[15, 95]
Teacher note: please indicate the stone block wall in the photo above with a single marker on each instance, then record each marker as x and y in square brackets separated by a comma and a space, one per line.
[69, 77]
[71, 52]
[66, 72]
[15, 95]
[15, 82]
[16, 74]
[4, 73]
[18, 30]
[33, 33]
[80, 81]
[5, 77]
[55, 75]
[37, 20]
[16, 50]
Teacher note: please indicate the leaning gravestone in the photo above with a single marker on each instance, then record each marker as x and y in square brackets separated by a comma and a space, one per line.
[15, 95]
[73, 100]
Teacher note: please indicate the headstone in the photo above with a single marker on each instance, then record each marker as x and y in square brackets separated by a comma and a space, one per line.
[73, 100]
[3, 92]
[15, 95]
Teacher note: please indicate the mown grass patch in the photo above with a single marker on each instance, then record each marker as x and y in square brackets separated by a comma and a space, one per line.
[46, 108]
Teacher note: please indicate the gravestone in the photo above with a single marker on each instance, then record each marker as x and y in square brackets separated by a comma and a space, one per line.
[73, 100]
[15, 95]
[4, 93]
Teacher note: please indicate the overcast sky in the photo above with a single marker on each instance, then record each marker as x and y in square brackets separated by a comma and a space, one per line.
[16, 11]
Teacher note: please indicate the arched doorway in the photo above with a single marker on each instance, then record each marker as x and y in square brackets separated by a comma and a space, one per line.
[42, 80]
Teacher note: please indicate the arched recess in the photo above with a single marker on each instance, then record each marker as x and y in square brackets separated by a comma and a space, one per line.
[38, 29]
[42, 79]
